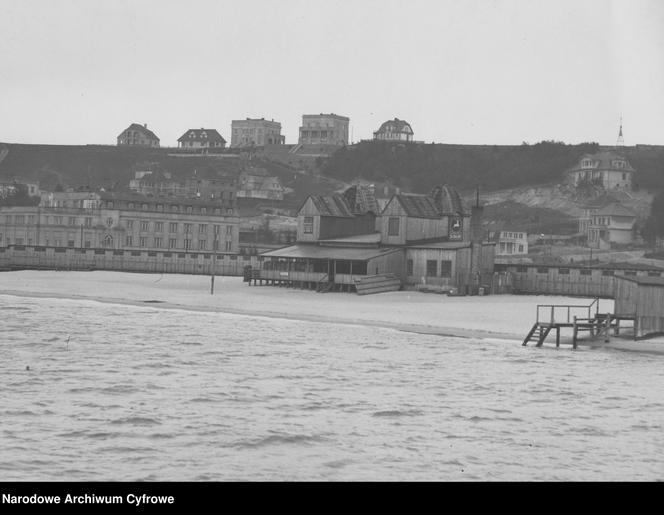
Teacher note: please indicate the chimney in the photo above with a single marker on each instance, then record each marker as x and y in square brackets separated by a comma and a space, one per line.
[476, 216]
[145, 125]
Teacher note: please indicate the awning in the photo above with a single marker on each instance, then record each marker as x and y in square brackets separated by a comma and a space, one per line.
[316, 252]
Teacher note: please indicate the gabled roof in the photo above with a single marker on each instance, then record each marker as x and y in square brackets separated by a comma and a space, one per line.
[332, 205]
[603, 160]
[443, 200]
[615, 209]
[198, 135]
[141, 128]
[418, 206]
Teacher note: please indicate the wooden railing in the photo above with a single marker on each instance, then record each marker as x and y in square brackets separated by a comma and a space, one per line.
[549, 312]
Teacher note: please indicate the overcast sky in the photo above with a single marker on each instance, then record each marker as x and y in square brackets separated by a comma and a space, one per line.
[463, 71]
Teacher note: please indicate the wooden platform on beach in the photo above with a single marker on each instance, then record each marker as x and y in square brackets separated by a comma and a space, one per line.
[556, 317]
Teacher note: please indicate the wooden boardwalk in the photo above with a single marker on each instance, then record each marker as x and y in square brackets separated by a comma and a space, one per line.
[556, 317]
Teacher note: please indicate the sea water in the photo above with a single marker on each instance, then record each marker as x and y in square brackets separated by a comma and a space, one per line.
[94, 392]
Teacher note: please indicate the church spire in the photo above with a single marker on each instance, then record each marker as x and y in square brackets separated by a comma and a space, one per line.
[621, 141]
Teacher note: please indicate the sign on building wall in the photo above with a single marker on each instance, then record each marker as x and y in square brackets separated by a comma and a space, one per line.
[456, 227]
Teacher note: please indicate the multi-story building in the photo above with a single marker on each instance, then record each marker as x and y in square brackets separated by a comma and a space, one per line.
[201, 139]
[611, 224]
[257, 183]
[254, 132]
[607, 168]
[138, 135]
[510, 243]
[394, 130]
[324, 129]
[162, 184]
[123, 221]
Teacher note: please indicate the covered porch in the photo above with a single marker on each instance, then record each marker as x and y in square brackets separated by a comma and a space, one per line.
[321, 268]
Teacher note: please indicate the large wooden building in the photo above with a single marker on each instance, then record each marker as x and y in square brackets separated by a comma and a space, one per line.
[343, 239]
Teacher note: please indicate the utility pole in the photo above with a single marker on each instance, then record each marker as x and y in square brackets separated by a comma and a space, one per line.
[214, 260]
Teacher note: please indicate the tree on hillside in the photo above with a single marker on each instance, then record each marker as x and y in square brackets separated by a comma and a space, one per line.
[421, 167]
[654, 226]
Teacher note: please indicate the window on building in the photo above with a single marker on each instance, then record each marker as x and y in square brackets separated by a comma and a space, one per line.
[432, 268]
[202, 244]
[542, 270]
[160, 207]
[202, 228]
[409, 267]
[173, 227]
[157, 242]
[57, 220]
[308, 225]
[144, 207]
[130, 224]
[144, 225]
[129, 241]
[187, 244]
[31, 219]
[585, 271]
[189, 209]
[159, 226]
[607, 272]
[130, 205]
[228, 246]
[446, 268]
[520, 249]
[174, 208]
[172, 243]
[88, 221]
[393, 226]
[70, 243]
[563, 271]
[187, 228]
[143, 241]
[87, 244]
[654, 274]
[72, 220]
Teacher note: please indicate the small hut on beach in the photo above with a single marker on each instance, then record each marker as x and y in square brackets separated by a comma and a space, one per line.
[642, 298]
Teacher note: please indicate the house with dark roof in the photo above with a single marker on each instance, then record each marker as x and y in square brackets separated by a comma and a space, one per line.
[606, 168]
[394, 130]
[201, 138]
[343, 241]
[138, 135]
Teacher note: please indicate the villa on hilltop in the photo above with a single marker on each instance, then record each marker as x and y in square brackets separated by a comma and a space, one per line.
[606, 168]
[256, 132]
[324, 129]
[201, 138]
[394, 130]
[139, 136]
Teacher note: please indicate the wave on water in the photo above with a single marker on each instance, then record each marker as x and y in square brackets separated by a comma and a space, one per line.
[280, 439]
[397, 413]
[137, 421]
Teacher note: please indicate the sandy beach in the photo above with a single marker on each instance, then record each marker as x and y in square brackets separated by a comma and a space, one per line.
[504, 317]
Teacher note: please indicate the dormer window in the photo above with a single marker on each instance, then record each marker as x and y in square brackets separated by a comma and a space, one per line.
[586, 163]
